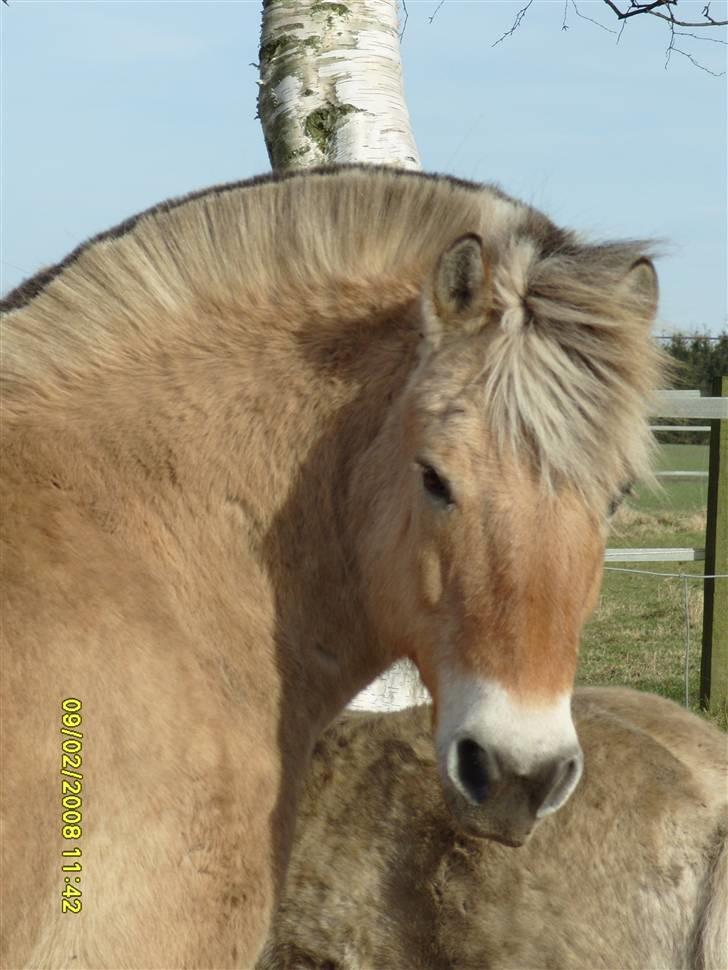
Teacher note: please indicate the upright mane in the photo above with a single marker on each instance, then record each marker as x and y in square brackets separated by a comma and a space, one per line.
[566, 375]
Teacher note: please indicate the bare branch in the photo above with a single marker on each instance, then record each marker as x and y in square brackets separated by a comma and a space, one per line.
[706, 14]
[676, 50]
[516, 23]
[636, 8]
[672, 49]
[406, 18]
[627, 9]
[654, 8]
[687, 23]
[437, 8]
[707, 40]
[590, 19]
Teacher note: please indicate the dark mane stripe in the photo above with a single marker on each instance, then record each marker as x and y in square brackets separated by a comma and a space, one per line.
[24, 292]
[565, 371]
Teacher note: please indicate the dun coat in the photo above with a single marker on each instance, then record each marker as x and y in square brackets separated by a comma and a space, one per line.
[632, 873]
[258, 444]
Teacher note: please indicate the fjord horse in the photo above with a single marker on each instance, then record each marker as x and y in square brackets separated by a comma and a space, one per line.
[258, 443]
[631, 875]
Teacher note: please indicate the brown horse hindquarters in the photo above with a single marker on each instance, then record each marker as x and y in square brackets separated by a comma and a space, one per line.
[626, 875]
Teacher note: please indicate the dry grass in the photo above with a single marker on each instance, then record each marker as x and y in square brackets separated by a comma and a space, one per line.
[633, 522]
[640, 631]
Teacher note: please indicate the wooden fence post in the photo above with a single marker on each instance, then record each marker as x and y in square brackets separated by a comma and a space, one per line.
[714, 662]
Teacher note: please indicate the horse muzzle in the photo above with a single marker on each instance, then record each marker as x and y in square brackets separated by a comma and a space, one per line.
[505, 762]
[491, 798]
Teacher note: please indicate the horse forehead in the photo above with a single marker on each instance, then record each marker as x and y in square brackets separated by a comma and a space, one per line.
[452, 370]
[559, 539]
[459, 443]
[518, 513]
[454, 414]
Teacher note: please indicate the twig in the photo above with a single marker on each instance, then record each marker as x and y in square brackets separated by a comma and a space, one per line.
[672, 48]
[406, 18]
[437, 8]
[676, 50]
[706, 14]
[564, 25]
[590, 19]
[516, 23]
[708, 40]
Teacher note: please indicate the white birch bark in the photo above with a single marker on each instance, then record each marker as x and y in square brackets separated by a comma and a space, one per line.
[331, 84]
[331, 91]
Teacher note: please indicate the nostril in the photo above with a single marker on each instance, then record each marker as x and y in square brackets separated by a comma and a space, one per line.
[560, 783]
[475, 770]
[571, 768]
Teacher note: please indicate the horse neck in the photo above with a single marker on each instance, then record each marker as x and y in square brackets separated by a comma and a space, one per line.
[240, 445]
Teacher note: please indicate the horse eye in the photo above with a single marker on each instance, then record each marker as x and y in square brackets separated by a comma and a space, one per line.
[436, 486]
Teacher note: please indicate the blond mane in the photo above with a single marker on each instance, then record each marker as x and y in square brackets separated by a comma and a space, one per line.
[566, 375]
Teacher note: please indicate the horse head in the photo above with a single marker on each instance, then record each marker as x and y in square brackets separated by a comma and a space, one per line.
[490, 486]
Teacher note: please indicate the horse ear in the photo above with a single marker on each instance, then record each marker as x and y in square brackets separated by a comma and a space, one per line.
[459, 291]
[640, 287]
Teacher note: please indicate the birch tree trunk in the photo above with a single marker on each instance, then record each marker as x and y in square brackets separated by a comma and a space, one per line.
[331, 84]
[330, 90]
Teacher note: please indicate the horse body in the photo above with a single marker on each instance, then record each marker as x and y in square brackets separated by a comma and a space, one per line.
[225, 426]
[631, 873]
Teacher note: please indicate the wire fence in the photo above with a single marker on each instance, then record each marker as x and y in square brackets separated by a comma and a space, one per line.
[689, 337]
[685, 580]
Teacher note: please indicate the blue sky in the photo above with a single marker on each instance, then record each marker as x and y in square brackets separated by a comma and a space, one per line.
[108, 107]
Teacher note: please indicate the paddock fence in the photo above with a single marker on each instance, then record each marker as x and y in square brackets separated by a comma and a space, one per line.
[400, 686]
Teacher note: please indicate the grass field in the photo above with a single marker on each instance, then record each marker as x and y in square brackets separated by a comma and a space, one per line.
[637, 636]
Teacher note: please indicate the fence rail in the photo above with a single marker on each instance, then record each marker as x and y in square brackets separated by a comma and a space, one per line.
[676, 404]
[689, 404]
[678, 476]
[654, 555]
[680, 404]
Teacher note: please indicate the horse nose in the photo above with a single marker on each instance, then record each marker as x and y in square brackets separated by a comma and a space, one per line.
[474, 769]
[556, 781]
[481, 774]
